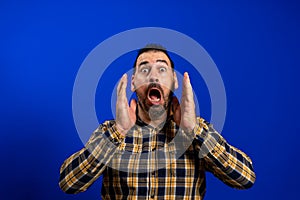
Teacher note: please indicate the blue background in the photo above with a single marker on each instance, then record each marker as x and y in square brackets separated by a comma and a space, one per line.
[255, 45]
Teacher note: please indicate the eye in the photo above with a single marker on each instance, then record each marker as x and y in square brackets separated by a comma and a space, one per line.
[145, 70]
[162, 69]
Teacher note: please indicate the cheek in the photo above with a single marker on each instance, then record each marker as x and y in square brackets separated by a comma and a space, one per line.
[140, 82]
[140, 86]
[168, 82]
[167, 92]
[141, 92]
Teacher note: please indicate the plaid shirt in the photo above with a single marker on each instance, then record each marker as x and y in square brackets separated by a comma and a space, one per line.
[155, 163]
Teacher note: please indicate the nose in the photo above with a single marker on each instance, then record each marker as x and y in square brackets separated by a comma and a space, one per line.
[153, 77]
[153, 80]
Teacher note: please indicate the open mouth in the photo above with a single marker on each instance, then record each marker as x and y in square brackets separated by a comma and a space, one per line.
[154, 96]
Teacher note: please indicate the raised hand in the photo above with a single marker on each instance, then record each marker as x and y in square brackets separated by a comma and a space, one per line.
[125, 114]
[184, 114]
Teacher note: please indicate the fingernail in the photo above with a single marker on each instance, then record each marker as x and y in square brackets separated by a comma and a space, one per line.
[186, 75]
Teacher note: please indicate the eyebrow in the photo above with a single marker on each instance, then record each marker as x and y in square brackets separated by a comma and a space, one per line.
[159, 60]
[143, 63]
[164, 61]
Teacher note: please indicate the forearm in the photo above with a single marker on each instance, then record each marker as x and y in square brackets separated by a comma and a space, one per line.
[226, 162]
[80, 170]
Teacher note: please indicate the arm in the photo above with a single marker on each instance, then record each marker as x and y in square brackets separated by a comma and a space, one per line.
[226, 162]
[80, 170]
[229, 164]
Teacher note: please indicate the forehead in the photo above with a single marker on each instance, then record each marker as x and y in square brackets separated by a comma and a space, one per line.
[152, 56]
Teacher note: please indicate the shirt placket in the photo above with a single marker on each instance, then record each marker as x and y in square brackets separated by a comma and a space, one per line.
[153, 166]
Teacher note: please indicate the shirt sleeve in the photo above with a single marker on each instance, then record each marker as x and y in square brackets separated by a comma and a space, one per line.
[229, 164]
[81, 169]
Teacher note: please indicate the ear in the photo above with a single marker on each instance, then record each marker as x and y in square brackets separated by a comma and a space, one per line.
[175, 80]
[132, 86]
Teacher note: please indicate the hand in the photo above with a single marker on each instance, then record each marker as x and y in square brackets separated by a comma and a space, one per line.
[184, 114]
[125, 115]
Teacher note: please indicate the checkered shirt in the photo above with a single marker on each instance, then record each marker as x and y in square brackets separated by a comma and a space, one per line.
[155, 163]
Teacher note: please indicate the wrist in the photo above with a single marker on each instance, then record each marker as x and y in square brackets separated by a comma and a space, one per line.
[200, 128]
[121, 130]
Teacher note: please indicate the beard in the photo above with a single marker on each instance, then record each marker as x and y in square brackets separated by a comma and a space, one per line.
[155, 112]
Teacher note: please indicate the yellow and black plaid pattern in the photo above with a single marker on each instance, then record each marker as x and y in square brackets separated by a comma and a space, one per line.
[147, 164]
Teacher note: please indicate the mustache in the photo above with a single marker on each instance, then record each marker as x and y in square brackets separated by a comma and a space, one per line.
[155, 85]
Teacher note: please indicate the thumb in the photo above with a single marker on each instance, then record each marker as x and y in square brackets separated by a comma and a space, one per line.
[133, 105]
[175, 103]
[176, 110]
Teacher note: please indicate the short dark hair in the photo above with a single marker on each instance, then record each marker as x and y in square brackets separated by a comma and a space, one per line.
[152, 47]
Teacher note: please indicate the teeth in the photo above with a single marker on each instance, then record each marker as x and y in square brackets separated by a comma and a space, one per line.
[157, 100]
[154, 96]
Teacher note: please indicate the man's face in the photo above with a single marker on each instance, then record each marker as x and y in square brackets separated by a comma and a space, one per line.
[153, 81]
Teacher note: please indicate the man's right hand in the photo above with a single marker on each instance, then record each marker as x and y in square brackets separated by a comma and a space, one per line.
[125, 114]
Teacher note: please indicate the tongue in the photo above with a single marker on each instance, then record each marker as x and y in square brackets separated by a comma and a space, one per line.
[154, 98]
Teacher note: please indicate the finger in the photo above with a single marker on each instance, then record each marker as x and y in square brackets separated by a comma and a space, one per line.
[176, 110]
[186, 81]
[175, 103]
[133, 105]
[187, 90]
[122, 87]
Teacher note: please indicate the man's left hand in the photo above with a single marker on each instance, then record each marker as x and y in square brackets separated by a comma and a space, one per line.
[184, 114]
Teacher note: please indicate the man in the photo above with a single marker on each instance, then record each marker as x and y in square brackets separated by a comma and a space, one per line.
[156, 148]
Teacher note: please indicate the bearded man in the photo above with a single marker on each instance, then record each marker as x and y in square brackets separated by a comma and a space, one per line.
[156, 148]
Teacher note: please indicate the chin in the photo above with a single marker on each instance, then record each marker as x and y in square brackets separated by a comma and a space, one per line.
[156, 112]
